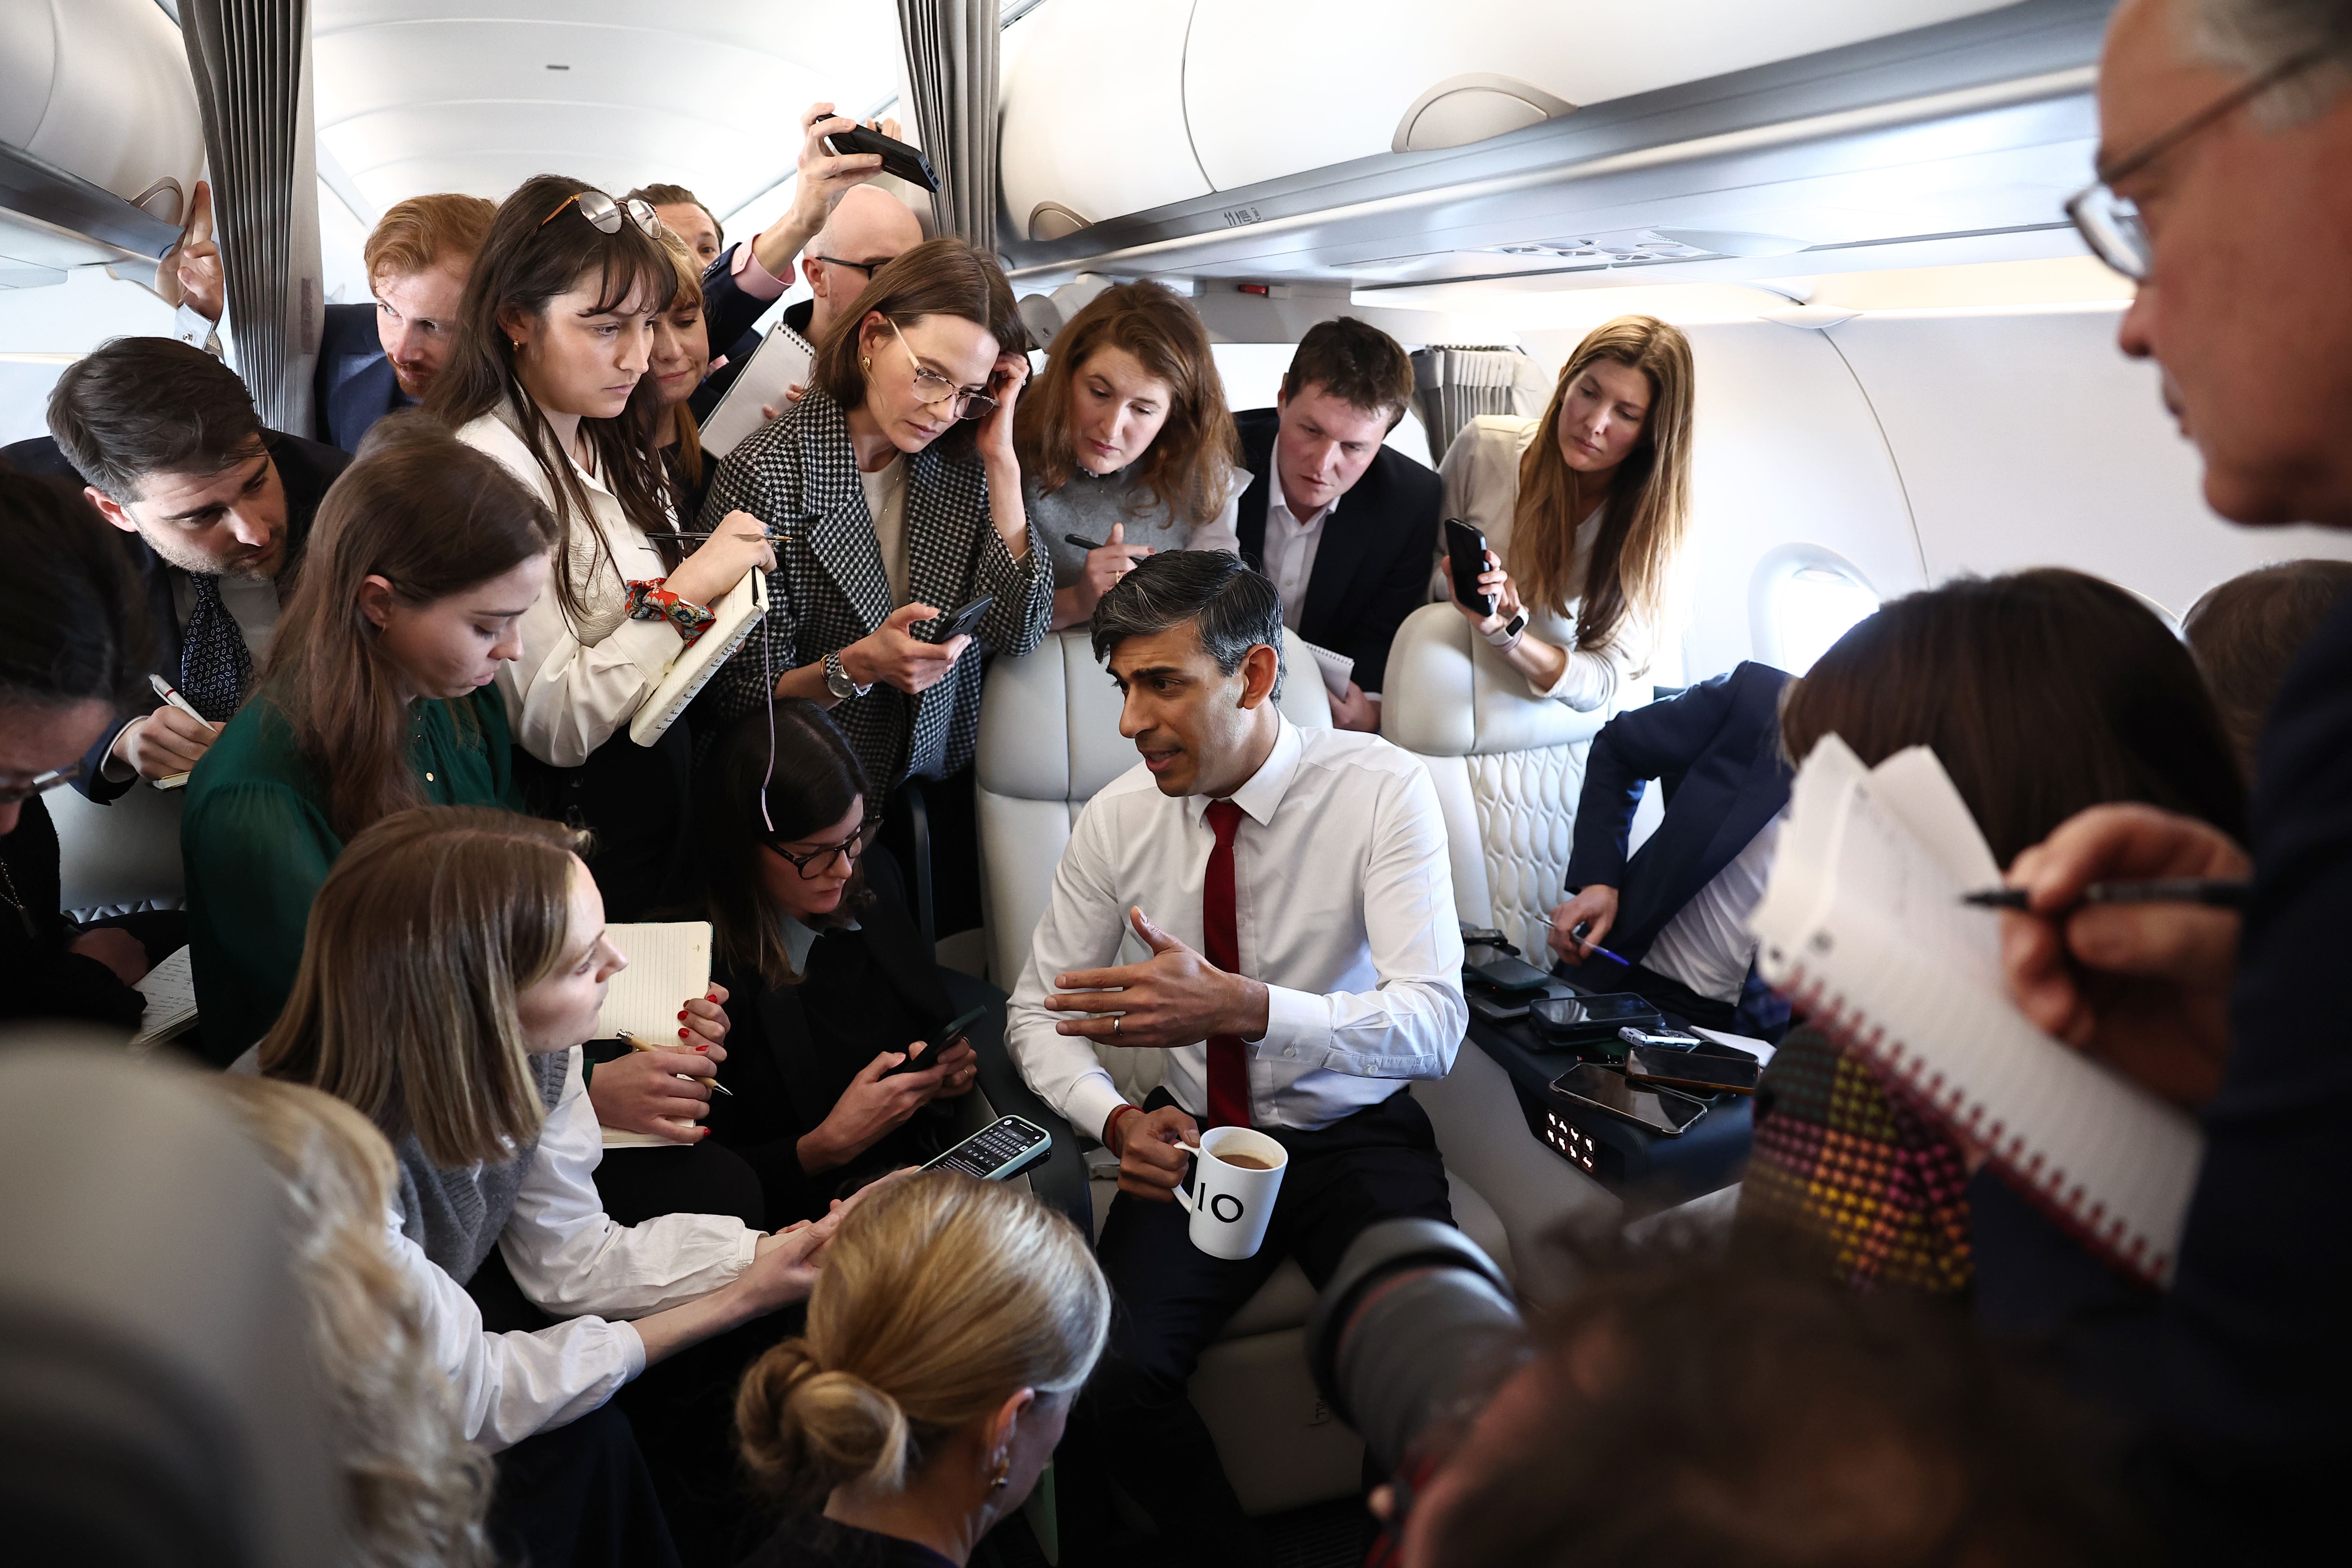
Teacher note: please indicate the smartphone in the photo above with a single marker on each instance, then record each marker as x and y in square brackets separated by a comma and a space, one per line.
[1465, 551]
[1687, 1069]
[1672, 1039]
[1591, 1024]
[908, 162]
[1608, 1090]
[942, 1038]
[1507, 975]
[1003, 1148]
[961, 622]
[1495, 1012]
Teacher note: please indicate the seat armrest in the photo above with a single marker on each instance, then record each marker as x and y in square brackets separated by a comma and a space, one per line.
[1060, 1178]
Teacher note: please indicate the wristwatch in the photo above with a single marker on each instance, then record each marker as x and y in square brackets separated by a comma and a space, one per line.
[1507, 637]
[838, 681]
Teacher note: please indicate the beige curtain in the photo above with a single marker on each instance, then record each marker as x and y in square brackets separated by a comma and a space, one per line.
[951, 48]
[251, 61]
[1453, 385]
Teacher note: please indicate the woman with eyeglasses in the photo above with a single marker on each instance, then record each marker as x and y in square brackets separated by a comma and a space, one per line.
[548, 376]
[895, 486]
[833, 989]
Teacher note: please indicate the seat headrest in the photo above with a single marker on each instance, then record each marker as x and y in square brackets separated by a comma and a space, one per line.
[1049, 721]
[1450, 695]
[158, 1402]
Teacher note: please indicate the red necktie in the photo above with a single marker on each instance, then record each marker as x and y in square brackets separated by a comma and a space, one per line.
[1229, 1092]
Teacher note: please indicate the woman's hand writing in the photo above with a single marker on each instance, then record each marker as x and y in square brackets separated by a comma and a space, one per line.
[738, 544]
[891, 655]
[653, 1092]
[868, 1110]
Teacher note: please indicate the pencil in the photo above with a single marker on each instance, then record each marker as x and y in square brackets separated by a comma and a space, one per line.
[711, 1084]
[2215, 893]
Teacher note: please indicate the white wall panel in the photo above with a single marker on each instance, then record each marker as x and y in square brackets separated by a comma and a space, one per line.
[1094, 110]
[2025, 439]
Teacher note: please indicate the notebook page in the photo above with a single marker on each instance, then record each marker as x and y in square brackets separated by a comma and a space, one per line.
[668, 964]
[170, 989]
[778, 361]
[1874, 941]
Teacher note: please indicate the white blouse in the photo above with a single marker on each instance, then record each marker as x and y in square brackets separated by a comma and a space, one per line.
[576, 686]
[1481, 471]
[570, 1259]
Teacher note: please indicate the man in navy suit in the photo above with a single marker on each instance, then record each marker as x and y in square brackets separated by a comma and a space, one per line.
[379, 357]
[1678, 908]
[1345, 526]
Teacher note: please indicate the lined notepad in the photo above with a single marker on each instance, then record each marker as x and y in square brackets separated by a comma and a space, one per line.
[780, 362]
[1863, 928]
[669, 961]
[738, 613]
[171, 992]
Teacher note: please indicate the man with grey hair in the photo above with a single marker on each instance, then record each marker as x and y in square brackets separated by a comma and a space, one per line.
[1290, 896]
[2226, 138]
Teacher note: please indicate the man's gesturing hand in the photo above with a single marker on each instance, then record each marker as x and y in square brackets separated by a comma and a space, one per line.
[1152, 1154]
[1176, 997]
[2143, 988]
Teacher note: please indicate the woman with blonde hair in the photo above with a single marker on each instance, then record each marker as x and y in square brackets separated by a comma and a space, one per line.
[457, 958]
[415, 1490]
[1584, 512]
[1126, 441]
[953, 1325]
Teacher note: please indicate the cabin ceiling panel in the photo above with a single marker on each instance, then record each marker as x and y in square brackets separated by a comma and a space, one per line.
[423, 97]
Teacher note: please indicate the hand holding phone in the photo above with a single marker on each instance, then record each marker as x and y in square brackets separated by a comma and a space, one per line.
[961, 623]
[947, 1034]
[898, 158]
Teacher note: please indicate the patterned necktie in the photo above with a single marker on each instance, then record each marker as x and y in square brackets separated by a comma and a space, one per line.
[215, 666]
[1229, 1089]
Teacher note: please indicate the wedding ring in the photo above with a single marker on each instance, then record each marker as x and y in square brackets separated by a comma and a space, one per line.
[1114, 1020]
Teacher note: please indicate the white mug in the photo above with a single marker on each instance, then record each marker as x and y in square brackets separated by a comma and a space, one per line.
[1230, 1204]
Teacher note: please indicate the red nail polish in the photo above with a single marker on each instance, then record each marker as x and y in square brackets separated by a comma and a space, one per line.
[681, 1014]
[681, 1034]
[701, 1047]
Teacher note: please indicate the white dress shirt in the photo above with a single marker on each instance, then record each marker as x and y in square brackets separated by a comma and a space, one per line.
[1708, 945]
[1290, 546]
[1343, 900]
[576, 686]
[570, 1258]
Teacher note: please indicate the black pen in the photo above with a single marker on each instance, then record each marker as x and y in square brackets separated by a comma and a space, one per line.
[2218, 893]
[1081, 540]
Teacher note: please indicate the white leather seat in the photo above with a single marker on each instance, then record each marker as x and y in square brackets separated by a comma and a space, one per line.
[1048, 739]
[115, 859]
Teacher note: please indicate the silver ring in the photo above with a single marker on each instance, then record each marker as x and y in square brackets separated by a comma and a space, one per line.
[1116, 1020]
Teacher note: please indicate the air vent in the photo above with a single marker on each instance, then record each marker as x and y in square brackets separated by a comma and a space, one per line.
[1466, 108]
[1607, 249]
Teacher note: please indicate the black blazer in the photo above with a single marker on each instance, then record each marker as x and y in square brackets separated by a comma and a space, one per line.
[354, 385]
[786, 1076]
[2237, 1375]
[1716, 752]
[728, 316]
[305, 468]
[38, 978]
[1372, 568]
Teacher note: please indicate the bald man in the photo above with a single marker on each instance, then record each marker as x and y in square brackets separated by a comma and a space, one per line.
[840, 228]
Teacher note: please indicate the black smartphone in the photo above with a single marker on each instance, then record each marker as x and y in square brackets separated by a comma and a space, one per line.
[1005, 1148]
[1688, 1069]
[1507, 975]
[1590, 1024]
[1465, 551]
[942, 1038]
[908, 162]
[1608, 1090]
[961, 622]
[1497, 1012]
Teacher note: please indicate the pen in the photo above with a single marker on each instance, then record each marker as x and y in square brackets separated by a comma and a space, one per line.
[163, 690]
[2219, 894]
[1578, 935]
[711, 1084]
[1081, 540]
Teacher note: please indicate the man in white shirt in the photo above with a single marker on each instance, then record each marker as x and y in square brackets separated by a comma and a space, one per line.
[1291, 894]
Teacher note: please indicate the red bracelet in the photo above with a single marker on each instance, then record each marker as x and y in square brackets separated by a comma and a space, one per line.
[1110, 1128]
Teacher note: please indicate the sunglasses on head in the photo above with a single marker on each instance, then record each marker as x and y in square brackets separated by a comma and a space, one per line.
[606, 212]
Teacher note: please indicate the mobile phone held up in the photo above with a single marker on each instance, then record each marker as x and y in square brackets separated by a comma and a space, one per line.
[1466, 553]
[963, 621]
[1005, 1147]
[898, 158]
[943, 1037]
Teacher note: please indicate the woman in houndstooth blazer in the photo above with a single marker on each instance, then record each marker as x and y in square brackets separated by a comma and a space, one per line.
[896, 497]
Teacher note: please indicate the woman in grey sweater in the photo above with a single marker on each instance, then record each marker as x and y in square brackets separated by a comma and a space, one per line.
[1126, 442]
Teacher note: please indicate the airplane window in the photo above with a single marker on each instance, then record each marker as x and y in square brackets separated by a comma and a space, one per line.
[1810, 605]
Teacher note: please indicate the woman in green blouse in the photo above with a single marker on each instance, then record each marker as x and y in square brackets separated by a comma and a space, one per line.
[377, 696]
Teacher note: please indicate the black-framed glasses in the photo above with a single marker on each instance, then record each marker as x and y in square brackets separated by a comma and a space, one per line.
[933, 388]
[2110, 224]
[606, 212]
[39, 784]
[812, 863]
[868, 267]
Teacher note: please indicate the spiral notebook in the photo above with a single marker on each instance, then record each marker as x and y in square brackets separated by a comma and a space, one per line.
[738, 613]
[1863, 928]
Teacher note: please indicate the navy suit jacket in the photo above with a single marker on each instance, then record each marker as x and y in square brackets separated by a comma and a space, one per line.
[728, 316]
[305, 468]
[354, 385]
[2238, 1375]
[1372, 568]
[1716, 750]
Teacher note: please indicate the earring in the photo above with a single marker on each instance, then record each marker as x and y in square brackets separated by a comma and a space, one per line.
[869, 362]
[1003, 1477]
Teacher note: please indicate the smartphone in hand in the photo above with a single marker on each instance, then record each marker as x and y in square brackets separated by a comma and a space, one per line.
[1465, 553]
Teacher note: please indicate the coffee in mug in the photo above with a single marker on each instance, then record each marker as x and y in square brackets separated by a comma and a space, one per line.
[1234, 1182]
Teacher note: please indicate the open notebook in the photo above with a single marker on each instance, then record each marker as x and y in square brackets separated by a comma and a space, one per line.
[738, 613]
[781, 359]
[170, 990]
[668, 963]
[1862, 927]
